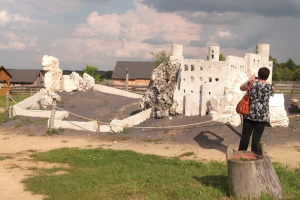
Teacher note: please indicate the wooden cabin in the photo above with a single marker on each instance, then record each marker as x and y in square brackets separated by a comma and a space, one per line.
[139, 72]
[26, 77]
[5, 77]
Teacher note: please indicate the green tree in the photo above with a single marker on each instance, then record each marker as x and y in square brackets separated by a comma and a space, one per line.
[286, 74]
[93, 72]
[297, 74]
[222, 58]
[276, 69]
[291, 65]
[277, 75]
[160, 57]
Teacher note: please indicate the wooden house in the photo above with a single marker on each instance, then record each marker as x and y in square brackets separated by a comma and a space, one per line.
[5, 77]
[26, 77]
[139, 72]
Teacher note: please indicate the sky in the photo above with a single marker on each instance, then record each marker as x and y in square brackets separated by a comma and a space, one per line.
[102, 32]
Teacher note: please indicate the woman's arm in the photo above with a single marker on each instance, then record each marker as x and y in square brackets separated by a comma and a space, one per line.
[243, 86]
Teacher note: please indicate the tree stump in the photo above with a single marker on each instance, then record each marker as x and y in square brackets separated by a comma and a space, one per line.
[250, 175]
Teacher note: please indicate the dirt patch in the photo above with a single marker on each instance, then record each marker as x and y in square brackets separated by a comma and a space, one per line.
[2, 110]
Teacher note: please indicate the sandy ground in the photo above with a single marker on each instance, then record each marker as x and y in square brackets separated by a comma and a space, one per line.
[19, 147]
[207, 141]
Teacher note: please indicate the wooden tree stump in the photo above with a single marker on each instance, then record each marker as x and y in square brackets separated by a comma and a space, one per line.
[250, 175]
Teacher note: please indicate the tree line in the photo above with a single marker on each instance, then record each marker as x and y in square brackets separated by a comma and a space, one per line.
[287, 71]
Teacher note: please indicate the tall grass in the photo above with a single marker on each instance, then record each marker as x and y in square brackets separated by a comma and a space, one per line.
[109, 174]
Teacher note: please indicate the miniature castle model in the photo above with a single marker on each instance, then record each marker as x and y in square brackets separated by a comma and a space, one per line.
[200, 80]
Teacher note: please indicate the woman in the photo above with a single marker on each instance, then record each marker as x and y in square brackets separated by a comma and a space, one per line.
[254, 123]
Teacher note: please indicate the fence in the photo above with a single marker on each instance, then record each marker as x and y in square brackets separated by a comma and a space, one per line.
[25, 89]
[133, 88]
[288, 87]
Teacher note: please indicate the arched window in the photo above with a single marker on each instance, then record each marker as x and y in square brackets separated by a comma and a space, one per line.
[192, 67]
[186, 67]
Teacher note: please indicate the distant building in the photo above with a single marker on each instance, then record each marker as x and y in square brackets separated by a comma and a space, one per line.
[26, 77]
[5, 77]
[139, 72]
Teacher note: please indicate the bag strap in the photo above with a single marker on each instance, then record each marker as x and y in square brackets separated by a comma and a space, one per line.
[249, 87]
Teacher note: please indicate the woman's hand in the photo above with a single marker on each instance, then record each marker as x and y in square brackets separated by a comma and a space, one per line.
[252, 77]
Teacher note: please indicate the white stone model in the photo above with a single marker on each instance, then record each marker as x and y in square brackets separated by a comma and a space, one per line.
[213, 86]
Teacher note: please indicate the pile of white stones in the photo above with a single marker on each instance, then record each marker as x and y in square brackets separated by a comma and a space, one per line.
[55, 81]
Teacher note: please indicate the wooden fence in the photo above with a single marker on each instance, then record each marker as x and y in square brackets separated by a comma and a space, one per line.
[133, 88]
[25, 89]
[288, 87]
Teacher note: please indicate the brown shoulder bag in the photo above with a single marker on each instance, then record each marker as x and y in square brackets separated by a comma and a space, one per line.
[243, 106]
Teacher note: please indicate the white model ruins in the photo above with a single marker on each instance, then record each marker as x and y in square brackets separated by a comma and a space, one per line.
[213, 86]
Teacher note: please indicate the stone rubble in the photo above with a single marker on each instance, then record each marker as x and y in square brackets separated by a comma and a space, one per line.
[159, 95]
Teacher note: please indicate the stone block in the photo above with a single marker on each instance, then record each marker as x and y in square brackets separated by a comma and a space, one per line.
[115, 91]
[26, 103]
[278, 117]
[277, 100]
[137, 118]
[67, 84]
[83, 126]
[116, 126]
[104, 128]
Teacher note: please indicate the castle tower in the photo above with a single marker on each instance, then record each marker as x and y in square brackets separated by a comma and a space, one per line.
[213, 53]
[264, 51]
[177, 52]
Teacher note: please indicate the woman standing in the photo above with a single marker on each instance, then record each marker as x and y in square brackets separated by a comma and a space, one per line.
[254, 123]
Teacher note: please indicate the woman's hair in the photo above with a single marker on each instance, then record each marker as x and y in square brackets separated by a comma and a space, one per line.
[263, 73]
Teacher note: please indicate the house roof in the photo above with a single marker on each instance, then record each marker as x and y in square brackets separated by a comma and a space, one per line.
[24, 75]
[6, 71]
[136, 69]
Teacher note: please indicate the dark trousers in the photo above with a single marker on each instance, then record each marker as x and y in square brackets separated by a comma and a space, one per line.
[255, 129]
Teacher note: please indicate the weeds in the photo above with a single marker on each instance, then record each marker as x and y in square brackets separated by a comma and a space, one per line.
[6, 157]
[54, 131]
[126, 130]
[187, 154]
[153, 140]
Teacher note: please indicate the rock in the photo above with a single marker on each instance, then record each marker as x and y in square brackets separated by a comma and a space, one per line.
[116, 126]
[35, 106]
[68, 84]
[52, 78]
[88, 81]
[104, 129]
[46, 101]
[159, 95]
[78, 80]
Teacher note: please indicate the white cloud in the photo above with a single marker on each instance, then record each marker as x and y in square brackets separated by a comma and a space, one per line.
[5, 18]
[107, 38]
[105, 25]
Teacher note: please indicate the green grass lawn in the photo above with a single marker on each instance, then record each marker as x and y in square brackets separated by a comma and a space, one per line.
[109, 174]
[17, 99]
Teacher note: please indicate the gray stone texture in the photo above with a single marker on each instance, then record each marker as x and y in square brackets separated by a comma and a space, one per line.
[159, 95]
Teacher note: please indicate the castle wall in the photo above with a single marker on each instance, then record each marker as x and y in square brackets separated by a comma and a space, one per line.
[200, 80]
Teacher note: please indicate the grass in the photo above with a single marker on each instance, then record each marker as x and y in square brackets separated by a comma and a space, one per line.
[6, 157]
[28, 120]
[156, 141]
[109, 174]
[17, 98]
[54, 131]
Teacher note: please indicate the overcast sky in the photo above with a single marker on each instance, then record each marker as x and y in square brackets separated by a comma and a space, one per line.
[101, 32]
